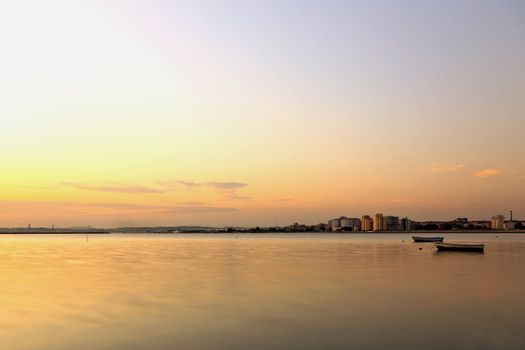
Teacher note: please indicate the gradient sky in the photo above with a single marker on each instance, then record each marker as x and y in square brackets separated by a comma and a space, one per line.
[216, 112]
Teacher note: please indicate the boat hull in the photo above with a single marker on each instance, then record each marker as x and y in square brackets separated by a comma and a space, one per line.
[427, 239]
[455, 247]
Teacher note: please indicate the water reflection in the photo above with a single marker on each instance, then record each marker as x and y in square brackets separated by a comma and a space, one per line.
[279, 292]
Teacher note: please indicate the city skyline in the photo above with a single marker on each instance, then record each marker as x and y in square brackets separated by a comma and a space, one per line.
[224, 113]
[364, 223]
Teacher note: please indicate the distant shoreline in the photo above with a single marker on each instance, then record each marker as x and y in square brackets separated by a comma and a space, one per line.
[54, 233]
[267, 233]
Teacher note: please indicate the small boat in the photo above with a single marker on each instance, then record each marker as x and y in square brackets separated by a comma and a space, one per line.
[457, 247]
[427, 239]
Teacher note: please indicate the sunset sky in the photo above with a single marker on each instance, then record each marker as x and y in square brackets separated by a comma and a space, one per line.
[116, 113]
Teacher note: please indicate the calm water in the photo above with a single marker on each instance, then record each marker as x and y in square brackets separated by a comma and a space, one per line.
[259, 292]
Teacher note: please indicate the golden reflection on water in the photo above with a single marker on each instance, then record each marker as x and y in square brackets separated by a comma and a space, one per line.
[279, 292]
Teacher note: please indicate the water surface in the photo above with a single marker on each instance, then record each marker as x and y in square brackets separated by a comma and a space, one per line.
[351, 291]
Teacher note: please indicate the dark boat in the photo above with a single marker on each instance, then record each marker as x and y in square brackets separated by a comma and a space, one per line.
[427, 239]
[457, 247]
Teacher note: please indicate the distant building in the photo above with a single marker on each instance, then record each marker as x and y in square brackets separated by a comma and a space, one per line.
[344, 221]
[349, 224]
[334, 225]
[391, 223]
[367, 224]
[497, 222]
[378, 222]
[510, 225]
[406, 224]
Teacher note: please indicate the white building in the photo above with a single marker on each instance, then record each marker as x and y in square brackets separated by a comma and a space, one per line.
[510, 225]
[343, 222]
[334, 225]
[497, 222]
[353, 223]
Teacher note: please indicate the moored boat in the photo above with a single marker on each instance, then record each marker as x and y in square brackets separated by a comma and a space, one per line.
[427, 239]
[459, 247]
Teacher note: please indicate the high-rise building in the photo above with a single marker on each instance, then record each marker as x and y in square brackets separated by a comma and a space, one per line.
[344, 222]
[378, 222]
[391, 223]
[367, 224]
[406, 224]
[334, 225]
[497, 222]
[352, 224]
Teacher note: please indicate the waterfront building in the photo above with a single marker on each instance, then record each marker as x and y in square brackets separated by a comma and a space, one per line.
[367, 224]
[349, 224]
[378, 222]
[334, 225]
[391, 223]
[510, 225]
[352, 224]
[355, 223]
[406, 224]
[497, 222]
[344, 222]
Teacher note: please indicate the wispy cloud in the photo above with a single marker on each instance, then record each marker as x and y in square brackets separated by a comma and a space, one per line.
[162, 208]
[486, 173]
[228, 189]
[115, 188]
[116, 208]
[219, 185]
[193, 203]
[234, 195]
[444, 167]
[189, 185]
[226, 185]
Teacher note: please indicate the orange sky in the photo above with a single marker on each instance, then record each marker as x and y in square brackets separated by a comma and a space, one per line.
[231, 113]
